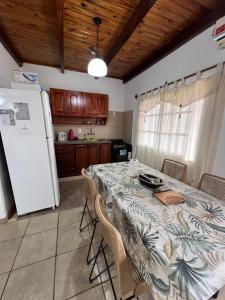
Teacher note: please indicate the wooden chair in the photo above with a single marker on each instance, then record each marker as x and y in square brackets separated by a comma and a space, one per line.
[129, 279]
[174, 169]
[213, 185]
[91, 192]
[86, 207]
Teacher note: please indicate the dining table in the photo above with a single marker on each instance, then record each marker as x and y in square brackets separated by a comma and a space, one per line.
[179, 249]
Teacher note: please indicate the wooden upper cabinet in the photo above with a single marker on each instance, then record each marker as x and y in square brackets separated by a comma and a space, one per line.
[90, 105]
[77, 106]
[71, 105]
[102, 105]
[96, 105]
[59, 102]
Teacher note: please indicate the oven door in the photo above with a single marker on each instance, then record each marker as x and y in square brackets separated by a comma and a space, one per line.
[119, 155]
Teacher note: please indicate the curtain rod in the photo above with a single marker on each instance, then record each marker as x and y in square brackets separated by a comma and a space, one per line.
[188, 76]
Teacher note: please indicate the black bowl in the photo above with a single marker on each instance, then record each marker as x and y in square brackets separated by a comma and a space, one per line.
[150, 181]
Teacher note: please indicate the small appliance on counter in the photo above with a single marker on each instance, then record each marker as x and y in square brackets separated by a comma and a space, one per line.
[71, 135]
[61, 136]
[120, 151]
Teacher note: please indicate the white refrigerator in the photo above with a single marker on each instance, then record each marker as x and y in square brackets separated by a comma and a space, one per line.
[28, 141]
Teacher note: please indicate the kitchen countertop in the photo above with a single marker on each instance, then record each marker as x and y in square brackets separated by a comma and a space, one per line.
[83, 142]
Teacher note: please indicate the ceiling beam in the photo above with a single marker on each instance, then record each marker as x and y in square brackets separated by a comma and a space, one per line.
[10, 48]
[60, 25]
[186, 35]
[140, 11]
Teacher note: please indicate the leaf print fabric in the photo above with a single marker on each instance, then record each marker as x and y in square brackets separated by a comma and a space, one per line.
[179, 249]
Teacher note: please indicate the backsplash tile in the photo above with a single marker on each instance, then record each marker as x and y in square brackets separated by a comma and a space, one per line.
[114, 128]
[128, 120]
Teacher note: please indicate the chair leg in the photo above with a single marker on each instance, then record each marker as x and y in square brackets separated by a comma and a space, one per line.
[83, 214]
[82, 218]
[96, 257]
[90, 215]
[89, 260]
[108, 271]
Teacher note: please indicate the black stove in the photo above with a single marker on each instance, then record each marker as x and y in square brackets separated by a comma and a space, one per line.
[120, 150]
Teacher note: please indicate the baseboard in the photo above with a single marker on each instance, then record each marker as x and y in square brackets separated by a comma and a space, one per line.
[3, 220]
[9, 214]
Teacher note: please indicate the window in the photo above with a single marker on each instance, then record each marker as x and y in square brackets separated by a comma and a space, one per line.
[170, 129]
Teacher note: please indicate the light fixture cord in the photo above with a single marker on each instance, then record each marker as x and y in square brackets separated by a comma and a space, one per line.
[97, 54]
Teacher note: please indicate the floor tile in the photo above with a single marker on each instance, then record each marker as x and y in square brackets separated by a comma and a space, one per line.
[3, 279]
[70, 194]
[146, 296]
[101, 262]
[8, 251]
[12, 230]
[107, 288]
[70, 216]
[72, 274]
[97, 236]
[95, 293]
[69, 238]
[36, 247]
[35, 282]
[42, 223]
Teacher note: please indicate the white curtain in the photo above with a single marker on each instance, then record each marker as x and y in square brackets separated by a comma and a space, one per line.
[182, 122]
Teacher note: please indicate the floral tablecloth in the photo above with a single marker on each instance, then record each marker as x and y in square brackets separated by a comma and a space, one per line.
[179, 249]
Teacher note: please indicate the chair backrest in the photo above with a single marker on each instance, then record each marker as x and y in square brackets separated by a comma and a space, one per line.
[90, 186]
[213, 185]
[113, 239]
[174, 169]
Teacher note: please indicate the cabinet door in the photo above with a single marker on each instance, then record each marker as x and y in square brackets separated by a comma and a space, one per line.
[65, 160]
[101, 105]
[59, 102]
[90, 104]
[93, 155]
[76, 103]
[105, 153]
[81, 158]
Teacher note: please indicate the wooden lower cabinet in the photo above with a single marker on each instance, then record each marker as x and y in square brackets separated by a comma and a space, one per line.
[72, 158]
[81, 155]
[93, 154]
[65, 160]
[105, 153]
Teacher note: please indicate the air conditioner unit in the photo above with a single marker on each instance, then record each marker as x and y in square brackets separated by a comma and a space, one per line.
[219, 33]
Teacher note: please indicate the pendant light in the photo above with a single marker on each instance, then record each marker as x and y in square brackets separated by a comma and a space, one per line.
[97, 67]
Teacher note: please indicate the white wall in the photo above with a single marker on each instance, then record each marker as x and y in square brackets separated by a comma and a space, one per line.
[53, 78]
[7, 65]
[197, 54]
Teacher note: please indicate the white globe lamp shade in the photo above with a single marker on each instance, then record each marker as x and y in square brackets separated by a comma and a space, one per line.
[97, 67]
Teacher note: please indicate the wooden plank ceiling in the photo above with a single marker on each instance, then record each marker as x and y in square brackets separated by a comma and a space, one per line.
[133, 36]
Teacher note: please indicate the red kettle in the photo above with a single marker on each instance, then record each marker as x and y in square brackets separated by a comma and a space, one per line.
[71, 135]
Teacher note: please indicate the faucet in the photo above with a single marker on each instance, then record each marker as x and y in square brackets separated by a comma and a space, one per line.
[90, 132]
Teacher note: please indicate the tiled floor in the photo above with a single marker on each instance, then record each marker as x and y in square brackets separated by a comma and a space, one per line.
[43, 256]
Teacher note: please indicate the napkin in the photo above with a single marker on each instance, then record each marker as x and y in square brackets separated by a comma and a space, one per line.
[169, 197]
